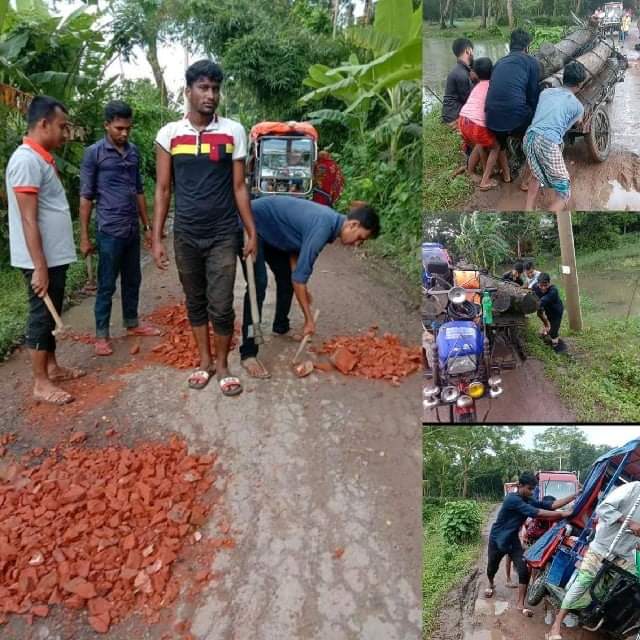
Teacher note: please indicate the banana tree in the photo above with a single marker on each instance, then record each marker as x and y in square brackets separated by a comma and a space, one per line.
[387, 75]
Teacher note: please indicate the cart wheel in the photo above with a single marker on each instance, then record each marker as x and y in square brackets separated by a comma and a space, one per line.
[538, 587]
[611, 94]
[599, 136]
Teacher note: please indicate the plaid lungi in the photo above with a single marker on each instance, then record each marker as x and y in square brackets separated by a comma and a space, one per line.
[547, 164]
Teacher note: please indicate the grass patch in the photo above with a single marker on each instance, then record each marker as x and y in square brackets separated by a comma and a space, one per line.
[441, 157]
[444, 565]
[14, 304]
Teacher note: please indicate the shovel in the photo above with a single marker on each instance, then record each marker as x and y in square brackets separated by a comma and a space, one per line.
[255, 329]
[60, 328]
[306, 366]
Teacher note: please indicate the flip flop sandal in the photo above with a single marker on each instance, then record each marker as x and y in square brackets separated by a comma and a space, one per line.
[555, 636]
[144, 331]
[57, 398]
[492, 185]
[72, 373]
[488, 593]
[199, 379]
[527, 613]
[230, 386]
[103, 348]
[263, 375]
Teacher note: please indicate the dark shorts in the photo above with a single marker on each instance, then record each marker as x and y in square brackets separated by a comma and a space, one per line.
[207, 270]
[516, 553]
[40, 322]
[503, 136]
[555, 326]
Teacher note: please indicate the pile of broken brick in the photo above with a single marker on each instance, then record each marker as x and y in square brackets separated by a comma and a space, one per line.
[100, 529]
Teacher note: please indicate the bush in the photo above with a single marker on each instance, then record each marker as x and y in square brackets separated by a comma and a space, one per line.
[461, 521]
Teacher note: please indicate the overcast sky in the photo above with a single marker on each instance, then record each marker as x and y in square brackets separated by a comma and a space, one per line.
[172, 58]
[603, 434]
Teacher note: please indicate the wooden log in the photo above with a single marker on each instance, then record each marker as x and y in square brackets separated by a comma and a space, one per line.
[553, 57]
[593, 61]
[510, 297]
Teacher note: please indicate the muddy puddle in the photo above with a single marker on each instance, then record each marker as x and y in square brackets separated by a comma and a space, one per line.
[612, 293]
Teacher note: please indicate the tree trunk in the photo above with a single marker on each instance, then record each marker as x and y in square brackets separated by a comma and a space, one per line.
[336, 11]
[595, 62]
[578, 7]
[444, 13]
[154, 63]
[509, 296]
[451, 12]
[553, 57]
[483, 22]
[510, 13]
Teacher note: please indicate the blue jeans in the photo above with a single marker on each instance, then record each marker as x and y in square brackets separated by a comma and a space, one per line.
[117, 257]
[280, 266]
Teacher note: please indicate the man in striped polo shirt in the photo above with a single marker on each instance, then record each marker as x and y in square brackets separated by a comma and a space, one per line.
[202, 157]
[41, 239]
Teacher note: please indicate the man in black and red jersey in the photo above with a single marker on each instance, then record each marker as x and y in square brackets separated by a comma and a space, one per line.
[202, 157]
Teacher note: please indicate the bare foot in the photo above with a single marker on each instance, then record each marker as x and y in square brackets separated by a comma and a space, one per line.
[46, 391]
[61, 374]
[144, 331]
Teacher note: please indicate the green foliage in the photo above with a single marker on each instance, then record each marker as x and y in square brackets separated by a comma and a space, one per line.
[461, 521]
[545, 34]
[444, 565]
[481, 239]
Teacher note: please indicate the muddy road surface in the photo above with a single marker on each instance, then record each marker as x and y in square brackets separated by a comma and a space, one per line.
[528, 397]
[321, 475]
[611, 185]
[468, 615]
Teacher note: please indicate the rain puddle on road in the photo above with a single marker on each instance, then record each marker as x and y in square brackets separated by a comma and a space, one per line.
[620, 199]
[624, 112]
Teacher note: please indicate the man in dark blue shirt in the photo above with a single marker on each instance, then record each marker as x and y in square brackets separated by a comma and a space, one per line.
[459, 83]
[291, 234]
[110, 177]
[551, 309]
[504, 539]
[513, 91]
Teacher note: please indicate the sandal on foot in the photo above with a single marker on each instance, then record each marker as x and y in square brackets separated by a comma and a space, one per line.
[230, 386]
[144, 331]
[555, 636]
[199, 379]
[527, 613]
[68, 373]
[58, 397]
[488, 593]
[492, 185]
[255, 368]
[103, 348]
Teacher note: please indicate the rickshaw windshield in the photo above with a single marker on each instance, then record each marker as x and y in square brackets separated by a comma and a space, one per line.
[559, 488]
[286, 165]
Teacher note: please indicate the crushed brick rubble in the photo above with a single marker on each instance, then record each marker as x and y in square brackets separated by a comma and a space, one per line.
[369, 355]
[101, 529]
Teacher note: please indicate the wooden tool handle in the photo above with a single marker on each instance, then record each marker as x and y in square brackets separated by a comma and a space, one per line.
[89, 263]
[52, 310]
[306, 339]
[253, 300]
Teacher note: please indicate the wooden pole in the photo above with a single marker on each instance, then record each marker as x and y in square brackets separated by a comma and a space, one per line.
[569, 270]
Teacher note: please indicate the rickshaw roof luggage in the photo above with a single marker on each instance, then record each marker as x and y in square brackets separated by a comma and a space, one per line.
[283, 129]
[620, 462]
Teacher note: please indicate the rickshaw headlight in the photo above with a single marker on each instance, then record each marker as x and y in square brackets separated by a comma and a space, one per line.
[464, 402]
[476, 390]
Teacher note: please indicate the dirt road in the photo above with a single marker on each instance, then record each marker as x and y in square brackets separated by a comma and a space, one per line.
[528, 397]
[611, 185]
[468, 615]
[321, 475]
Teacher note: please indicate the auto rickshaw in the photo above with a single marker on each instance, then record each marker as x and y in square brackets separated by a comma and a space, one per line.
[283, 159]
[554, 558]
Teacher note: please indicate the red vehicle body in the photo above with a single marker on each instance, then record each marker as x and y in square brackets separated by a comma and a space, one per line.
[558, 484]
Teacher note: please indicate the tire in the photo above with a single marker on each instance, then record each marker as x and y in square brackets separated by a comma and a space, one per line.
[599, 137]
[538, 588]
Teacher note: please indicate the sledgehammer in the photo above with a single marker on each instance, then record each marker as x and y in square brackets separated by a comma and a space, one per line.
[60, 328]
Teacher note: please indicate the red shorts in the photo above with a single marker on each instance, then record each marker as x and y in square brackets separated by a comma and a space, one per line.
[474, 133]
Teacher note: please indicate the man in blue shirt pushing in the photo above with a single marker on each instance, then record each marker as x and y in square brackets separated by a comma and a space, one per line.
[504, 539]
[291, 234]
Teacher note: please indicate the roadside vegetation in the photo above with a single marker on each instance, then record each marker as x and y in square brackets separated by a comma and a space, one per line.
[599, 377]
[358, 82]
